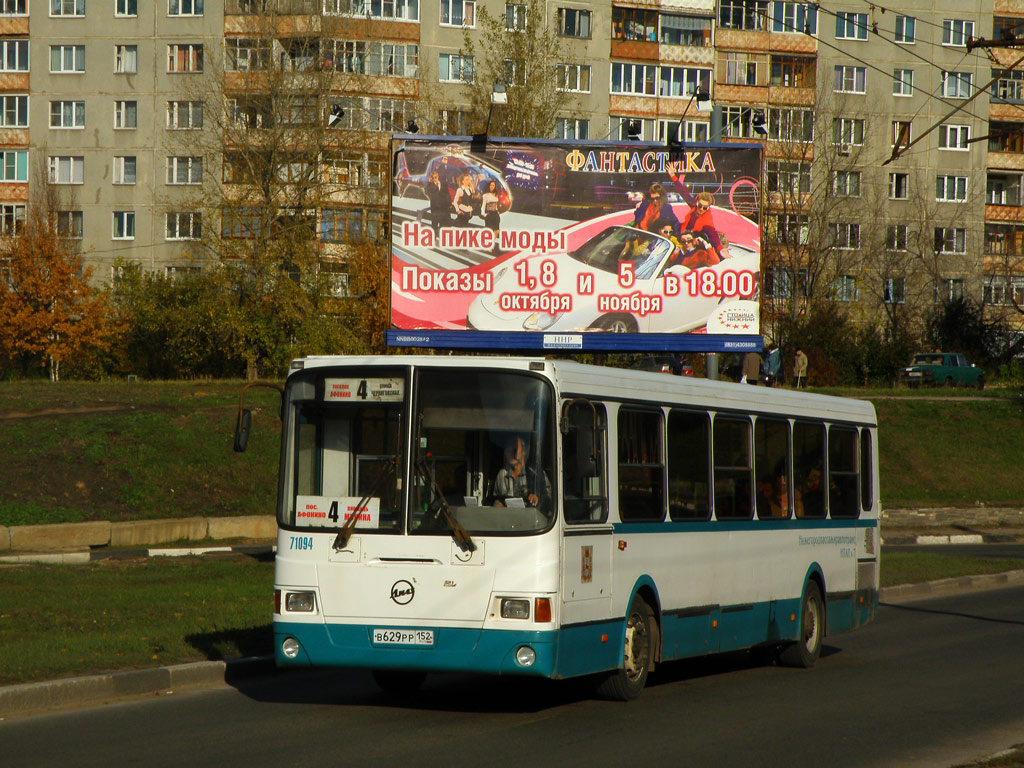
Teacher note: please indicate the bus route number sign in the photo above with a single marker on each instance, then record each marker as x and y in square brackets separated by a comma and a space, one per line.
[375, 390]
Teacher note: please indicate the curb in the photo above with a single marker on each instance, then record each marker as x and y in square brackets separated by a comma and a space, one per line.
[34, 698]
[78, 557]
[951, 586]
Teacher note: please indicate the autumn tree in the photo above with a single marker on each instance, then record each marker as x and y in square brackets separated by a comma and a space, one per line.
[48, 310]
[522, 51]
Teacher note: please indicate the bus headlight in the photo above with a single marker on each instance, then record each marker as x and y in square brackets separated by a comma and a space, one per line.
[514, 608]
[525, 656]
[290, 647]
[300, 602]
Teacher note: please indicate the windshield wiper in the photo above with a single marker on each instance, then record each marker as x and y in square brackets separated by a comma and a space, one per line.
[345, 533]
[459, 534]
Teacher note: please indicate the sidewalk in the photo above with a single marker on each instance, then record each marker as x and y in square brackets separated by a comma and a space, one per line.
[952, 525]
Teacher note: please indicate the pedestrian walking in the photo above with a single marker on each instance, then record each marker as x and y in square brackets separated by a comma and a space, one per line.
[800, 370]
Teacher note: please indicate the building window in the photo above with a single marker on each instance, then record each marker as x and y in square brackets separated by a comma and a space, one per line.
[126, 114]
[399, 10]
[69, 224]
[365, 57]
[639, 79]
[67, 59]
[844, 288]
[905, 29]
[348, 225]
[126, 8]
[793, 71]
[846, 183]
[957, 31]
[948, 289]
[993, 290]
[634, 24]
[789, 124]
[124, 169]
[950, 240]
[458, 13]
[1002, 189]
[184, 115]
[573, 78]
[515, 17]
[851, 26]
[849, 79]
[682, 81]
[903, 82]
[691, 131]
[66, 169]
[184, 226]
[67, 114]
[742, 14]
[620, 127]
[901, 133]
[950, 189]
[13, 7]
[14, 165]
[795, 17]
[572, 128]
[67, 7]
[245, 55]
[848, 131]
[1010, 86]
[778, 282]
[738, 122]
[788, 177]
[894, 290]
[354, 169]
[685, 30]
[954, 137]
[13, 55]
[957, 85]
[743, 68]
[184, 170]
[126, 59]
[14, 111]
[846, 236]
[899, 184]
[12, 218]
[1005, 137]
[185, 57]
[788, 228]
[184, 7]
[896, 237]
[124, 225]
[573, 22]
[453, 68]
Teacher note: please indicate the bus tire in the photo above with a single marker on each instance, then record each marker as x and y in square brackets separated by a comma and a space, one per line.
[627, 682]
[805, 651]
[398, 682]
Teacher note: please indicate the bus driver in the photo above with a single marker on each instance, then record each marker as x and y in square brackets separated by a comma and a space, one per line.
[514, 480]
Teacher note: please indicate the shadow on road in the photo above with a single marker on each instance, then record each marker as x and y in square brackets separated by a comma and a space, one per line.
[975, 617]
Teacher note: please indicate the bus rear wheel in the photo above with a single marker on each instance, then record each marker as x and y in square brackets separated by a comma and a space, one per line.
[627, 682]
[398, 681]
[805, 651]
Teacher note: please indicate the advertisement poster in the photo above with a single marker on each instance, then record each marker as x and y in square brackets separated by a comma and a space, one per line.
[534, 244]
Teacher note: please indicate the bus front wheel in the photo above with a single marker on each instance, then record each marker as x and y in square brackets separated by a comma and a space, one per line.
[626, 683]
[805, 651]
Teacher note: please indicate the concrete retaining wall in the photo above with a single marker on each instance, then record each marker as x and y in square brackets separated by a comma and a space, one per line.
[134, 533]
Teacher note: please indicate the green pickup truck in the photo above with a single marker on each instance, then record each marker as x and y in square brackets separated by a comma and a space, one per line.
[947, 369]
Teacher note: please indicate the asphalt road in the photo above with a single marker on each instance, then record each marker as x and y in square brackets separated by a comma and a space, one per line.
[930, 683]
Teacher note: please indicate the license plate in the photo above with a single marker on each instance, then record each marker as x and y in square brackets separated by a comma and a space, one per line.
[403, 637]
[916, 374]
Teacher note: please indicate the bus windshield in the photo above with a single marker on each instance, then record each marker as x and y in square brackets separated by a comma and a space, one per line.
[481, 451]
[483, 446]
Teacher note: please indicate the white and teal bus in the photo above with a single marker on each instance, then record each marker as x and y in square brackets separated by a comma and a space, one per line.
[548, 518]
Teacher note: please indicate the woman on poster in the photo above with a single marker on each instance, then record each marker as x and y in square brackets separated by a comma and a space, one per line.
[489, 203]
[652, 209]
[698, 219]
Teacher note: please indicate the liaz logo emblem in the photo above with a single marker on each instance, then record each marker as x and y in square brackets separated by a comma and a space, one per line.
[402, 592]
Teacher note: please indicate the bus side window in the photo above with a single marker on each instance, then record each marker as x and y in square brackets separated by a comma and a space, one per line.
[689, 465]
[641, 466]
[809, 454]
[843, 481]
[866, 470]
[771, 462]
[583, 461]
[733, 470]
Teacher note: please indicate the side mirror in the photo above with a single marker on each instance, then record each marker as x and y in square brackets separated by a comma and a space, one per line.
[242, 430]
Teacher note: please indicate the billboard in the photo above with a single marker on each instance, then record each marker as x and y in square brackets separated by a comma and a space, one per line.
[536, 244]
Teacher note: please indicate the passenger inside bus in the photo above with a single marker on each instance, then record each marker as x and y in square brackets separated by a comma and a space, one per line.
[515, 480]
[773, 495]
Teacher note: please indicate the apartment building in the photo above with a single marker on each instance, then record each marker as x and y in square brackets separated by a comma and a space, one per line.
[104, 102]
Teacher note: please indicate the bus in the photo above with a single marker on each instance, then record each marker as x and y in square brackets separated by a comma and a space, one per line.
[529, 516]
